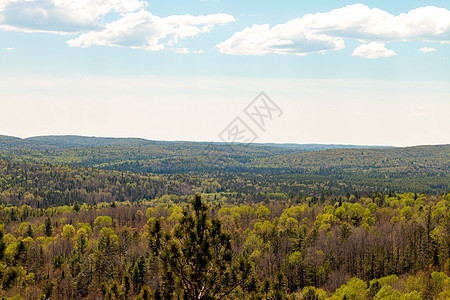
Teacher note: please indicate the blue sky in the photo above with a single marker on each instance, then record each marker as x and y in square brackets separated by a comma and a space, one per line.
[67, 55]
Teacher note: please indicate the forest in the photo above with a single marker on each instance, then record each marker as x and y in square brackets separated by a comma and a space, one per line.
[286, 168]
[88, 218]
[393, 246]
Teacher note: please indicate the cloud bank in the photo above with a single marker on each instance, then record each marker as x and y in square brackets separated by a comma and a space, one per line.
[322, 32]
[143, 30]
[130, 24]
[60, 16]
[133, 27]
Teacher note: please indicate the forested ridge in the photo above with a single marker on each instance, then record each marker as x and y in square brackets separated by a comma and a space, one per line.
[89, 218]
[410, 169]
[43, 185]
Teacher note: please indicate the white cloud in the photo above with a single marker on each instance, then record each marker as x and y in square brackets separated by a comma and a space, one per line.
[143, 30]
[10, 48]
[134, 27]
[286, 38]
[427, 49]
[373, 50]
[187, 51]
[325, 31]
[60, 16]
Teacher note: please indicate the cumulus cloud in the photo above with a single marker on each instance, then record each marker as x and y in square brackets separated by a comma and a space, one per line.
[133, 26]
[143, 30]
[373, 50]
[322, 32]
[60, 16]
[286, 38]
[427, 49]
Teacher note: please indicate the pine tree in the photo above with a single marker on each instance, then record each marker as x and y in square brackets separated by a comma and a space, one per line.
[2, 245]
[138, 274]
[48, 227]
[29, 231]
[196, 257]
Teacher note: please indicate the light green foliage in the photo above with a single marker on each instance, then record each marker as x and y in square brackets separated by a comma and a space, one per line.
[86, 226]
[150, 212]
[291, 224]
[389, 280]
[444, 295]
[82, 237]
[406, 213]
[68, 232]
[296, 212]
[26, 228]
[355, 289]
[356, 213]
[368, 218]
[388, 293]
[253, 243]
[264, 229]
[102, 221]
[414, 295]
[311, 293]
[340, 213]
[108, 240]
[295, 258]
[323, 221]
[263, 213]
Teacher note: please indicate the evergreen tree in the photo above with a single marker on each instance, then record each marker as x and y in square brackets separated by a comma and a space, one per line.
[48, 227]
[196, 257]
[139, 273]
[2, 245]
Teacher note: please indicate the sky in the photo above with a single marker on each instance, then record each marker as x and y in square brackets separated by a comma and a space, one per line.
[346, 72]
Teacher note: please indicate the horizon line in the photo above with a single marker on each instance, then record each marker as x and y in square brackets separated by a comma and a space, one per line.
[221, 142]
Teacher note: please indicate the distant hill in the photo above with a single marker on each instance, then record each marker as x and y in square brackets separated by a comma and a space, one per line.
[6, 139]
[75, 141]
[141, 155]
[15, 143]
[318, 147]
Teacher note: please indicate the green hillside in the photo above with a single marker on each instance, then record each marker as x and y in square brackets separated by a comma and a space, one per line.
[283, 169]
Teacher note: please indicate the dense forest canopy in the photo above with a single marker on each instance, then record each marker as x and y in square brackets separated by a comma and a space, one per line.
[411, 169]
[89, 218]
[380, 247]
